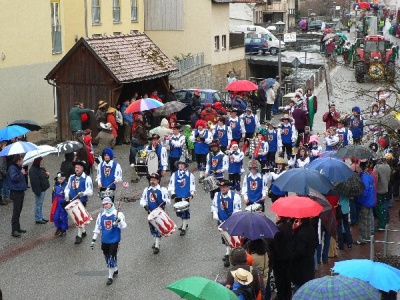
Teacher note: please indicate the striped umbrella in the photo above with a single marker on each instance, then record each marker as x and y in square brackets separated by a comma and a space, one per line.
[18, 148]
[143, 105]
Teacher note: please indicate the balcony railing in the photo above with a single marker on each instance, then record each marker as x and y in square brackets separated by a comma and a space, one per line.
[190, 63]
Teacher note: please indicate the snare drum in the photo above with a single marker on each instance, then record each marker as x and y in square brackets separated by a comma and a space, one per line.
[181, 206]
[141, 166]
[162, 222]
[210, 183]
[231, 241]
[78, 213]
[106, 193]
[257, 207]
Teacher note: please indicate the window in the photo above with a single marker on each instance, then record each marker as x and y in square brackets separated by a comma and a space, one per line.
[55, 27]
[95, 11]
[223, 42]
[216, 42]
[116, 33]
[134, 11]
[96, 35]
[116, 11]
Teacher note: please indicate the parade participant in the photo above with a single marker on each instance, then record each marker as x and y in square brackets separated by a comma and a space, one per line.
[331, 117]
[261, 151]
[154, 196]
[356, 125]
[274, 192]
[300, 116]
[288, 134]
[312, 106]
[109, 172]
[314, 148]
[225, 203]
[237, 126]
[161, 154]
[182, 186]
[288, 109]
[274, 139]
[109, 223]
[79, 186]
[300, 160]
[254, 188]
[223, 133]
[303, 138]
[345, 135]
[209, 114]
[17, 185]
[235, 157]
[251, 124]
[331, 139]
[217, 163]
[58, 214]
[201, 138]
[175, 143]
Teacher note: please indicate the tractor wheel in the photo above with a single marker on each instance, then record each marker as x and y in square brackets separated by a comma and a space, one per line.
[359, 73]
[390, 71]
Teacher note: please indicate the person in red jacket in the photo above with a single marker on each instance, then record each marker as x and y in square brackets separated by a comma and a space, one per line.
[112, 120]
[331, 118]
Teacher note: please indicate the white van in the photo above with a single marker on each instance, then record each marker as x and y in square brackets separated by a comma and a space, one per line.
[252, 30]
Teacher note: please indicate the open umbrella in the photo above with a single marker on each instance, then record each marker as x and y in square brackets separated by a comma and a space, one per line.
[377, 274]
[296, 207]
[329, 36]
[336, 288]
[328, 154]
[327, 216]
[40, 152]
[341, 35]
[299, 180]
[328, 30]
[364, 5]
[357, 151]
[352, 187]
[200, 288]
[68, 147]
[169, 108]
[252, 225]
[241, 86]
[29, 124]
[18, 148]
[333, 169]
[143, 105]
[269, 82]
[9, 132]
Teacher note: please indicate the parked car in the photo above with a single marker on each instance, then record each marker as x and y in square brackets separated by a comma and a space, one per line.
[315, 25]
[256, 45]
[206, 96]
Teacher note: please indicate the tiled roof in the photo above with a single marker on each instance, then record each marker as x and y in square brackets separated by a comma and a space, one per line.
[131, 57]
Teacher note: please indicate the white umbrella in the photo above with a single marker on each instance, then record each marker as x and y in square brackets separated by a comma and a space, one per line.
[18, 148]
[40, 152]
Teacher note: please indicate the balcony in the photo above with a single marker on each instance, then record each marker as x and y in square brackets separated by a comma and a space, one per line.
[274, 6]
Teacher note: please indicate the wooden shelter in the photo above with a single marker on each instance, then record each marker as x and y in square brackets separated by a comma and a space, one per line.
[110, 69]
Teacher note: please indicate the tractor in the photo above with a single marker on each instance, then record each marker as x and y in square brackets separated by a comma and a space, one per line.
[374, 57]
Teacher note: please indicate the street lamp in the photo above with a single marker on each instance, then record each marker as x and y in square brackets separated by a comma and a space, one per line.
[280, 28]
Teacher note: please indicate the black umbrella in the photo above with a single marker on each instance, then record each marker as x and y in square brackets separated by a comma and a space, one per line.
[68, 147]
[327, 216]
[357, 151]
[29, 124]
[352, 187]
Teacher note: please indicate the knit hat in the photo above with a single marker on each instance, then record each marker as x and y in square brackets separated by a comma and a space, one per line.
[106, 200]
[238, 256]
[234, 143]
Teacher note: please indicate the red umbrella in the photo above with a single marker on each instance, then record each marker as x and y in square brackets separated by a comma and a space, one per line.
[296, 207]
[328, 30]
[364, 5]
[241, 86]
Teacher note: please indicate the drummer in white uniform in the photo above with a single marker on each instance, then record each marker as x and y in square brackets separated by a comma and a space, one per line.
[161, 154]
[79, 186]
[254, 188]
[154, 196]
[182, 187]
[109, 173]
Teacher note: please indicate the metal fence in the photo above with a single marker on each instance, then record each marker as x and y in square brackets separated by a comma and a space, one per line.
[385, 242]
[190, 63]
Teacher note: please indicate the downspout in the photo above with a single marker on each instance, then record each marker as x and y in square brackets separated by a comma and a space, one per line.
[55, 86]
[86, 19]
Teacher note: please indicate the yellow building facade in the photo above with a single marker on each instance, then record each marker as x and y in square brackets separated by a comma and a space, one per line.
[35, 35]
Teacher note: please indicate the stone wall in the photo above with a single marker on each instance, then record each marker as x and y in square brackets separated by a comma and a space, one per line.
[220, 72]
[46, 135]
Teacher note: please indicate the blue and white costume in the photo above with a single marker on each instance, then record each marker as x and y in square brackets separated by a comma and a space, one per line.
[237, 127]
[345, 136]
[254, 188]
[108, 173]
[162, 156]
[175, 145]
[251, 123]
[60, 216]
[201, 140]
[235, 169]
[223, 134]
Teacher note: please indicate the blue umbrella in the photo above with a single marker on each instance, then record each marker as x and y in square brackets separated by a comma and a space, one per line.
[252, 225]
[18, 148]
[336, 288]
[377, 274]
[9, 132]
[299, 180]
[333, 169]
[269, 82]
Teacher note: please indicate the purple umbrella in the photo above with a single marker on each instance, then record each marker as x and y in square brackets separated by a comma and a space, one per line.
[302, 22]
[251, 225]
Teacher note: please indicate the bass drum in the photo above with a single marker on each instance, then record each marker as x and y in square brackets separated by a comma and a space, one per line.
[152, 162]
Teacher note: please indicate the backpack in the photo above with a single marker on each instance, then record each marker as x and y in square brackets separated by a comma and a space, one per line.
[246, 291]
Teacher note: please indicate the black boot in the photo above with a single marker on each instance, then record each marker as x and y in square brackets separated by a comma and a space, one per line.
[58, 231]
[78, 240]
[226, 261]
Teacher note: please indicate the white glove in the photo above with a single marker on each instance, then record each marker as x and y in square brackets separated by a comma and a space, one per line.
[215, 216]
[81, 194]
[67, 199]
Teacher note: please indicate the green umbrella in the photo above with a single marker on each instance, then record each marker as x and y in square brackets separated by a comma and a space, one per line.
[199, 288]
